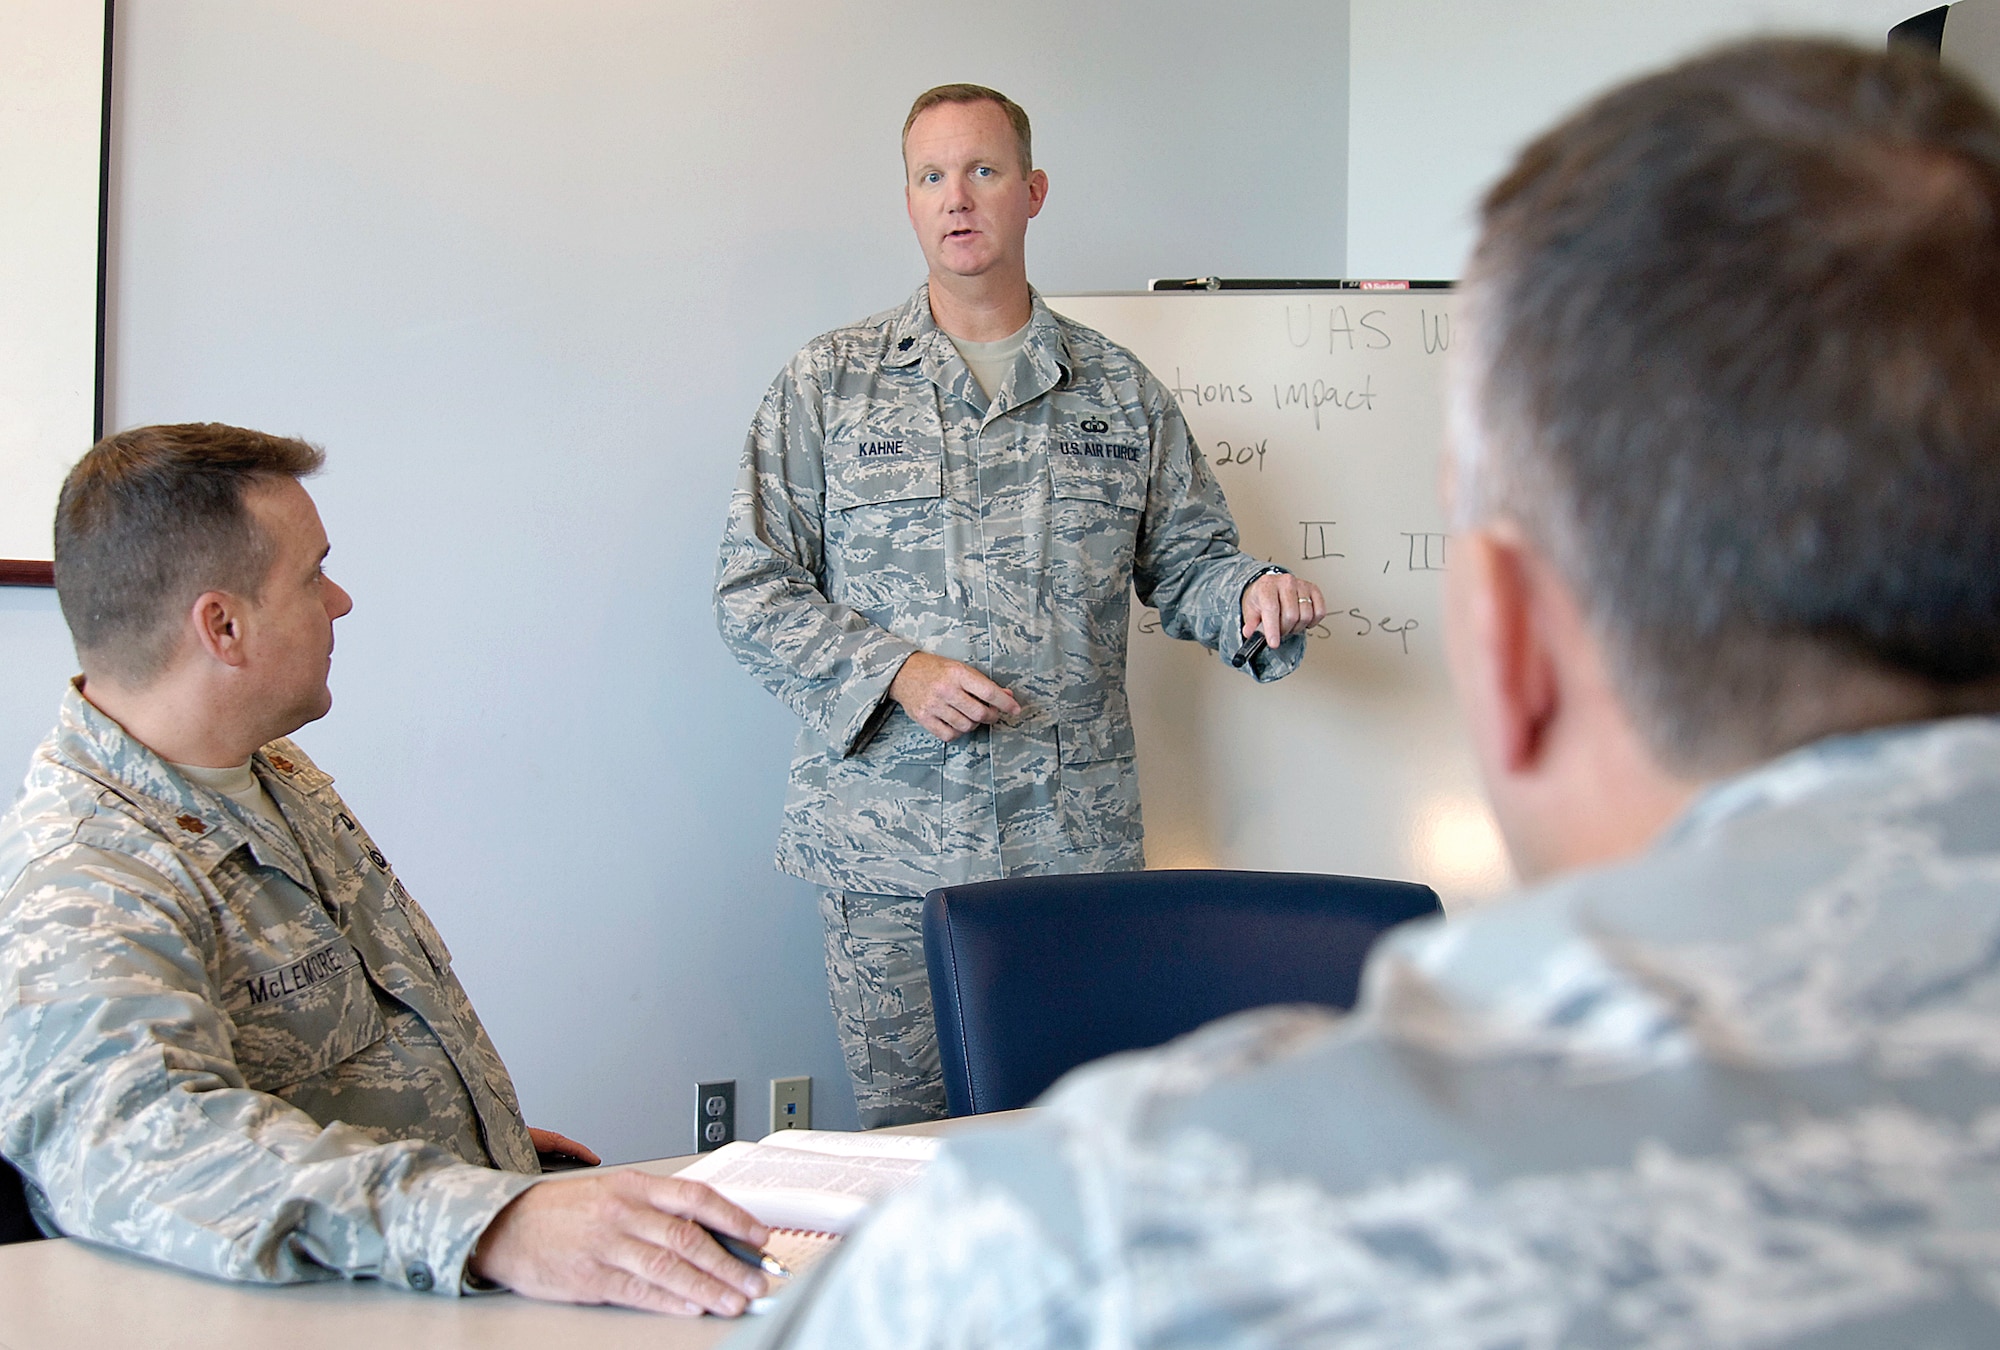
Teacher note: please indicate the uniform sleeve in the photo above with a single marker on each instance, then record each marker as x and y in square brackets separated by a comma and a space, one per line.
[1188, 564]
[122, 1103]
[826, 662]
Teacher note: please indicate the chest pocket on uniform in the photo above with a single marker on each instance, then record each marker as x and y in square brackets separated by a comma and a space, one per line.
[870, 470]
[300, 1017]
[1097, 499]
[885, 526]
[1117, 482]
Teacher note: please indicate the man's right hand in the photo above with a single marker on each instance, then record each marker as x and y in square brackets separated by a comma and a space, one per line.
[949, 698]
[626, 1238]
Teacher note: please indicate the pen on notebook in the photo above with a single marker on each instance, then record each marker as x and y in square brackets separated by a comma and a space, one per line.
[748, 1254]
[1251, 646]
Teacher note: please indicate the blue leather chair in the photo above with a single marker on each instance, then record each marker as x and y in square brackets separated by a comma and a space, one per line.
[1033, 976]
[16, 1224]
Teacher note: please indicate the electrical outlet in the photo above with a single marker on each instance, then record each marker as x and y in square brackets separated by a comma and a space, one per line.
[791, 1104]
[714, 1115]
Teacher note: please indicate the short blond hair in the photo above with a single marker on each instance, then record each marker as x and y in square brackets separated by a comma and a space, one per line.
[1017, 117]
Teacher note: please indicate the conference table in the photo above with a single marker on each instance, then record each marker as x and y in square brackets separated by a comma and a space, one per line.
[62, 1295]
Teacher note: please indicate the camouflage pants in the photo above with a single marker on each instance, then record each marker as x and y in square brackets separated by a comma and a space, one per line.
[882, 1005]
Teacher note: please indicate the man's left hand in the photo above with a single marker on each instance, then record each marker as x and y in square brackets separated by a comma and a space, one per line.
[1279, 604]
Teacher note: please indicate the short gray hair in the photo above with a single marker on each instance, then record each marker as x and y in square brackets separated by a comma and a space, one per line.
[1735, 366]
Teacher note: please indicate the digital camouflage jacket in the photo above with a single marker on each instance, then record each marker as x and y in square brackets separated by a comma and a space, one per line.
[884, 507]
[232, 1050]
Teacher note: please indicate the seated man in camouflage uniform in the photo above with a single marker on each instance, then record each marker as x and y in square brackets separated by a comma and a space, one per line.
[1725, 615]
[229, 1038]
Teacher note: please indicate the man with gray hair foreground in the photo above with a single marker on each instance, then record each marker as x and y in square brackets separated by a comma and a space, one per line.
[1725, 616]
[229, 1037]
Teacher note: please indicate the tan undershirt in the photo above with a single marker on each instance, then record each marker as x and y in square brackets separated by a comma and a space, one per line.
[989, 362]
[240, 785]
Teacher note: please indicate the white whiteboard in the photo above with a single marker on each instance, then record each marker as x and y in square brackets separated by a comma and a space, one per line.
[1322, 413]
[51, 101]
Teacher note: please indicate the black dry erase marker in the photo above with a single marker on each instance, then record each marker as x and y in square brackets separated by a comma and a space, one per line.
[1249, 651]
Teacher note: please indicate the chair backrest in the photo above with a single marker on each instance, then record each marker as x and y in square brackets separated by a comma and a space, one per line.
[16, 1223]
[1033, 976]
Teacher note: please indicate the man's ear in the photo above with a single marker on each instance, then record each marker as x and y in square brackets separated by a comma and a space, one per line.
[1571, 780]
[1511, 672]
[218, 619]
[1038, 192]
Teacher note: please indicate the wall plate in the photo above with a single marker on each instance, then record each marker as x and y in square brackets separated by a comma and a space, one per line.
[791, 1104]
[714, 1115]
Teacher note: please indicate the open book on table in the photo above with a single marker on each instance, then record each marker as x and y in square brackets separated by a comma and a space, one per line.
[819, 1181]
[812, 1186]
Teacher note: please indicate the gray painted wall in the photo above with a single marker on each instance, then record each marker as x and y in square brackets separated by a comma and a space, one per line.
[524, 269]
[35, 658]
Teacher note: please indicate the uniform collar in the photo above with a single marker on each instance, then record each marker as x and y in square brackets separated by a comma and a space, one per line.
[286, 763]
[912, 331]
[195, 820]
[914, 337]
[1946, 756]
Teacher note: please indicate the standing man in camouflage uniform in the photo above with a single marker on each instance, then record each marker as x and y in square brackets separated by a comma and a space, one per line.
[942, 516]
[229, 1038]
[1725, 616]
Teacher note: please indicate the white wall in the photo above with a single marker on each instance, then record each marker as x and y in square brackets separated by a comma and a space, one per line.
[524, 269]
[35, 658]
[1445, 91]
